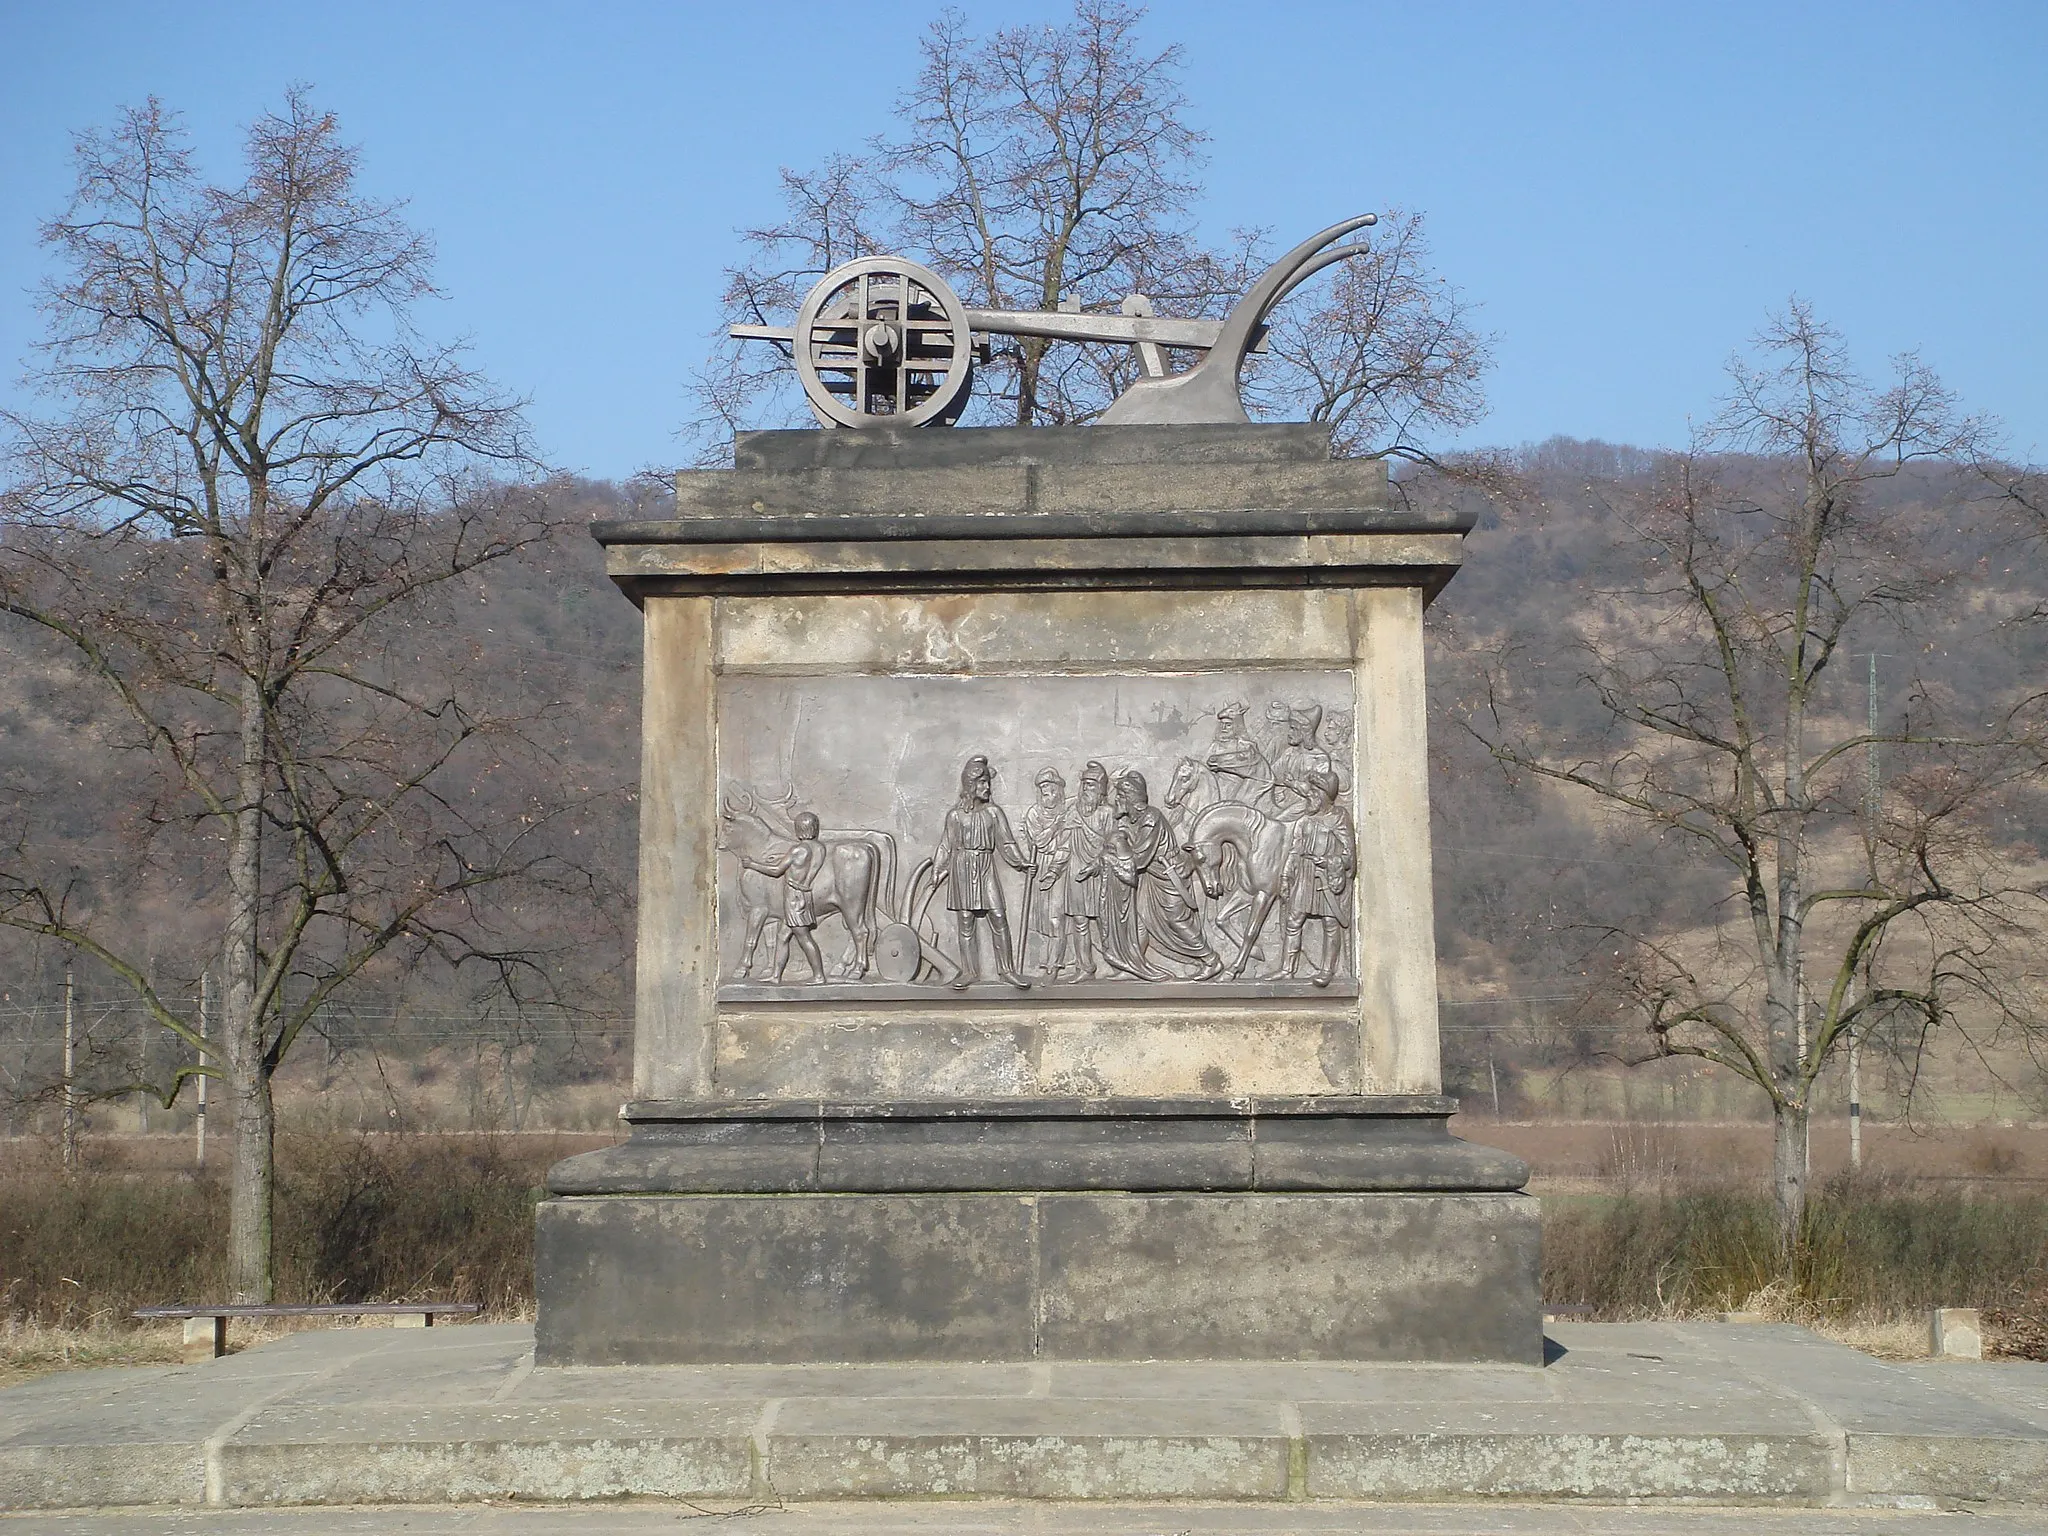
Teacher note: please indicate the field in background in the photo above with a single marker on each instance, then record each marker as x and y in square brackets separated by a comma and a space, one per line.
[1637, 1156]
[1566, 1156]
[358, 1217]
[1641, 1219]
[412, 1175]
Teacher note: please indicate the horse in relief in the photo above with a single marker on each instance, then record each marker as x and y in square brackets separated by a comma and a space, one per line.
[1259, 843]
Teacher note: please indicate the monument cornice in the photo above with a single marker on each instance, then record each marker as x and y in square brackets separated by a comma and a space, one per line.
[1188, 561]
[1035, 509]
[1166, 523]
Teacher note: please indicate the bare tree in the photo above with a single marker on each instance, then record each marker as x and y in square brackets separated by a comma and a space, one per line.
[1389, 355]
[2024, 488]
[1771, 555]
[1049, 165]
[255, 502]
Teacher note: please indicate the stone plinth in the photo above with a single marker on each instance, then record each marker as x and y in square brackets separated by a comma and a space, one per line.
[1114, 739]
[1296, 1229]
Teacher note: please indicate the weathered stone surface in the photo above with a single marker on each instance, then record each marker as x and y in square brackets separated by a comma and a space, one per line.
[2002, 1468]
[661, 1279]
[1029, 1049]
[992, 633]
[1675, 1414]
[675, 1002]
[1338, 1143]
[1023, 559]
[685, 1278]
[1033, 1449]
[1396, 912]
[595, 1450]
[1955, 1333]
[1292, 1277]
[1413, 1153]
[884, 447]
[692, 1046]
[1018, 1516]
[765, 1041]
[1727, 1468]
[1110, 493]
[54, 1476]
[1112, 473]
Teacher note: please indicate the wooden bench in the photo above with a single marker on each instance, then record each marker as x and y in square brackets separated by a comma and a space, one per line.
[206, 1328]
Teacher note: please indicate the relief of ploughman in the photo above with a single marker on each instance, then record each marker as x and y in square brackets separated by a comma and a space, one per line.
[1060, 836]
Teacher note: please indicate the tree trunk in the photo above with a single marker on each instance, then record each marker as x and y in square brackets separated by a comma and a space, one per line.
[1788, 1173]
[249, 1184]
[249, 1179]
[1030, 356]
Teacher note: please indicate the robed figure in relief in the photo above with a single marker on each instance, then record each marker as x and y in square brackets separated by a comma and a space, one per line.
[1090, 820]
[1149, 903]
[1050, 844]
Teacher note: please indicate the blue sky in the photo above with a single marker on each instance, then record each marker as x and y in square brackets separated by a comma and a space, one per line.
[1625, 189]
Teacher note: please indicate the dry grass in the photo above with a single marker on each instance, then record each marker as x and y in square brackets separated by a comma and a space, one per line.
[1872, 1249]
[1878, 1255]
[1895, 1339]
[1888, 1336]
[403, 1217]
[359, 1218]
[29, 1349]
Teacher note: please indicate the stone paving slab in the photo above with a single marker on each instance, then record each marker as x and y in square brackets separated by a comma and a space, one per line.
[1760, 1416]
[1005, 1518]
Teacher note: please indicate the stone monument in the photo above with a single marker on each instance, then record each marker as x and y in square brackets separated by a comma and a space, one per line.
[1035, 949]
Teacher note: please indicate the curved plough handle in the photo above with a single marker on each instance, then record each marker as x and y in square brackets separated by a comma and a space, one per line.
[1207, 392]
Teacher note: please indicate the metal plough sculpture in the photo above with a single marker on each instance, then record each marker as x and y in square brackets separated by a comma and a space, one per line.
[883, 341]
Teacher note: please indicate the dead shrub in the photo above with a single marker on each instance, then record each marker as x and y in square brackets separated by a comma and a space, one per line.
[1872, 1249]
[392, 1217]
[1992, 1156]
[1640, 1154]
[362, 1217]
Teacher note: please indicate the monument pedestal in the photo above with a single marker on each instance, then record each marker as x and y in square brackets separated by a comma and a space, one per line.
[1036, 956]
[1349, 1228]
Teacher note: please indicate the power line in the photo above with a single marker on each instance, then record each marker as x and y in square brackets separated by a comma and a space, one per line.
[1546, 858]
[1527, 997]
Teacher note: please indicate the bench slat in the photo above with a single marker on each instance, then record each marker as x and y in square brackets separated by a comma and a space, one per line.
[329, 1309]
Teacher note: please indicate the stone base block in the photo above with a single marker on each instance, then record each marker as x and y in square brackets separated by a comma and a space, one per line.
[1102, 1275]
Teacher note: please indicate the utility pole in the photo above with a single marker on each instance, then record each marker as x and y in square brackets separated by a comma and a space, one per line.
[205, 1013]
[1799, 1008]
[142, 1028]
[68, 1131]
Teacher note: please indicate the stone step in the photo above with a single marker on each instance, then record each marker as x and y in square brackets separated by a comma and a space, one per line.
[1687, 1413]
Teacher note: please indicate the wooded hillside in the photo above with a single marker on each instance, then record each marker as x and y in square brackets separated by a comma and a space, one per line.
[1527, 878]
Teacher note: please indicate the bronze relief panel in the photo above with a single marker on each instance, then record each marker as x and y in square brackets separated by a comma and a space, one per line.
[1057, 837]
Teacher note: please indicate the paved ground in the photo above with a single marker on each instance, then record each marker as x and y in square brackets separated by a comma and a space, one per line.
[1715, 1414]
[1009, 1519]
